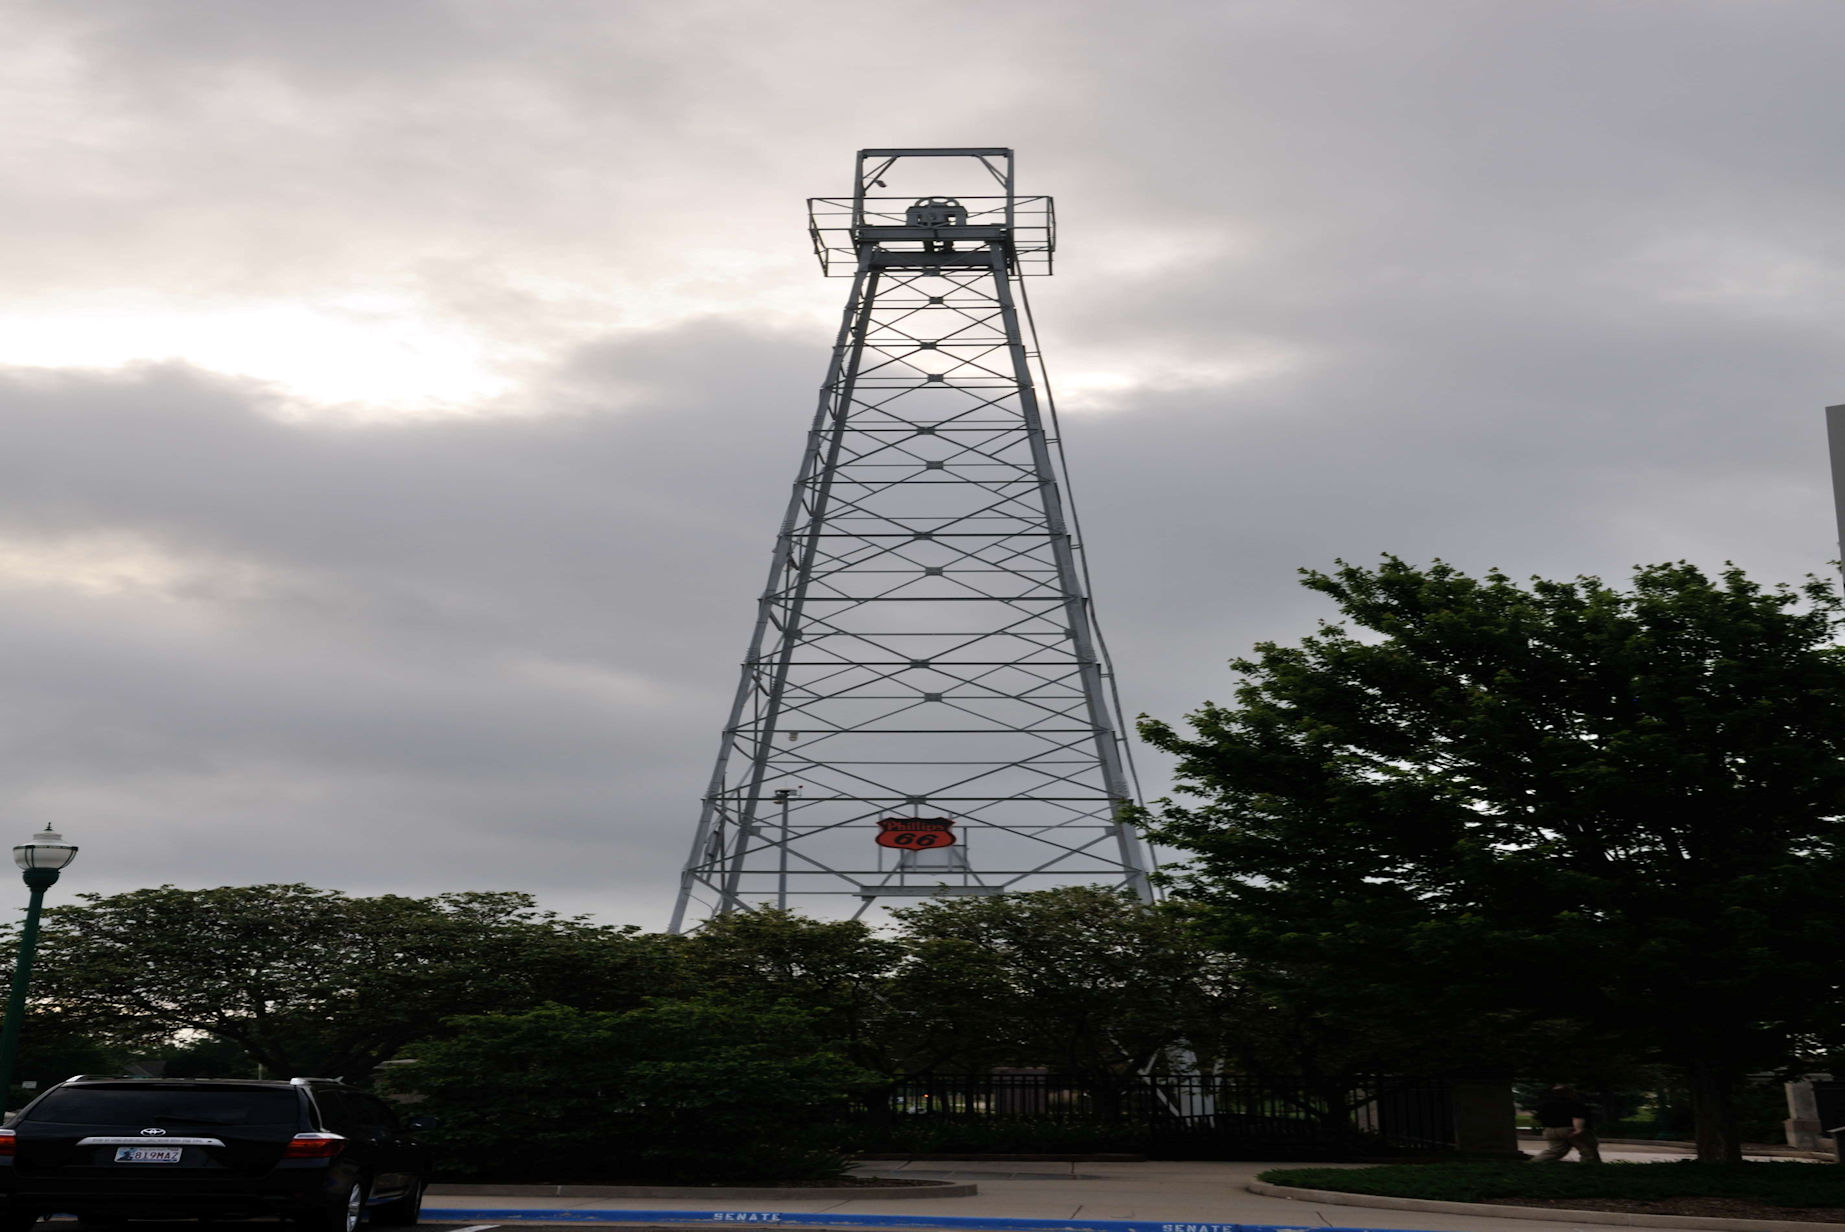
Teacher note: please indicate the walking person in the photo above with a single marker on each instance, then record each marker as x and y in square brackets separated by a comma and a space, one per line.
[1567, 1124]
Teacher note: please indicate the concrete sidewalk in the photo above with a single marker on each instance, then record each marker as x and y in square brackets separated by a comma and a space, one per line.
[1164, 1191]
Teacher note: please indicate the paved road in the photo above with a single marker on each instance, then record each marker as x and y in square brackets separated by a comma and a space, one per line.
[1161, 1191]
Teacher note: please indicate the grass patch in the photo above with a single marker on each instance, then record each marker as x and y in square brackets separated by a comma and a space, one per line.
[1772, 1184]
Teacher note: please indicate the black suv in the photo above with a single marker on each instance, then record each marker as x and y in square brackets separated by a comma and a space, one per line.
[309, 1149]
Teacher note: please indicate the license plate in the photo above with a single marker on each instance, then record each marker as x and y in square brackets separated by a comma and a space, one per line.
[148, 1154]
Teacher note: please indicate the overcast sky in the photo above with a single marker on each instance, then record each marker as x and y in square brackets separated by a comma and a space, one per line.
[397, 400]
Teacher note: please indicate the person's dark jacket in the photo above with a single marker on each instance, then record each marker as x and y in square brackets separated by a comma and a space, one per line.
[1561, 1111]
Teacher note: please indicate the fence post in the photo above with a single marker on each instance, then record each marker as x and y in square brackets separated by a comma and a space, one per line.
[1803, 1127]
[1485, 1118]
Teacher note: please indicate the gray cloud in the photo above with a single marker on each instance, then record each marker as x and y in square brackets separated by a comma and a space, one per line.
[1548, 287]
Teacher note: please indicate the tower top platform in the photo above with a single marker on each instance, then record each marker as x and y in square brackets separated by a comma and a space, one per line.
[951, 215]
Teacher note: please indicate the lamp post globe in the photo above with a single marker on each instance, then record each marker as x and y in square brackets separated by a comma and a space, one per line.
[40, 858]
[44, 852]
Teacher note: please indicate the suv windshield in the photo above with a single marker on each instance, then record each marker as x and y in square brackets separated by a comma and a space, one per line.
[169, 1106]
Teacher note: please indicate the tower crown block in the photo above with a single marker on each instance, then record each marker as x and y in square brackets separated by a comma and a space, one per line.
[929, 228]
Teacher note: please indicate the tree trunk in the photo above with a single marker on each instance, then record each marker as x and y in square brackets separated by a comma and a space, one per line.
[1713, 1113]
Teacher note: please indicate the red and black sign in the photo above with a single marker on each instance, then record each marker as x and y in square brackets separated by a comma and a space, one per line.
[916, 833]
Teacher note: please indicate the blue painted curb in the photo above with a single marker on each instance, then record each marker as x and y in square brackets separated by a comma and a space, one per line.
[956, 1223]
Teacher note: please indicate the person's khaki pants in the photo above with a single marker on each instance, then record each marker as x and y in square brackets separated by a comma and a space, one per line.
[1557, 1144]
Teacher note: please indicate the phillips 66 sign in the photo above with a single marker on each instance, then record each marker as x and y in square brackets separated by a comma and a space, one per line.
[916, 833]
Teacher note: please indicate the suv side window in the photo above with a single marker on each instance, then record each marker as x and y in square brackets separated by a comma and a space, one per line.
[335, 1114]
[373, 1114]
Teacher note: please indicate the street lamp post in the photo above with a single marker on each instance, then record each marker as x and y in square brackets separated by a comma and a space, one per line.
[781, 884]
[41, 860]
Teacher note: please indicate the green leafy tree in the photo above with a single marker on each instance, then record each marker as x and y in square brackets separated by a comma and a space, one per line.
[202, 1056]
[1082, 979]
[49, 1054]
[834, 969]
[1562, 805]
[697, 1090]
[308, 981]
[953, 1007]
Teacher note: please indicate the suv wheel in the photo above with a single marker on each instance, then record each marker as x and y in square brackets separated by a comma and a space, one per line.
[341, 1215]
[401, 1212]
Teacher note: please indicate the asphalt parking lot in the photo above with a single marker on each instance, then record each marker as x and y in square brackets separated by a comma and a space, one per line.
[1182, 1196]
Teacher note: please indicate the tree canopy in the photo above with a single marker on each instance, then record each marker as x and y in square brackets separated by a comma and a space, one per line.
[307, 981]
[1084, 980]
[833, 969]
[1482, 807]
[310, 981]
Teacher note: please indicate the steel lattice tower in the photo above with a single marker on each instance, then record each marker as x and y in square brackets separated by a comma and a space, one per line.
[925, 647]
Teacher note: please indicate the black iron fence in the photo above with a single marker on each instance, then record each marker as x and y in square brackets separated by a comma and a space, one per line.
[1223, 1116]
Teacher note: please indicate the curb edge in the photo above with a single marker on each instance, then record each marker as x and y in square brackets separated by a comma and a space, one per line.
[1628, 1219]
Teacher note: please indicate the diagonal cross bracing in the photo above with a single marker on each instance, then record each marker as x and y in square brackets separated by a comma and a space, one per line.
[925, 645]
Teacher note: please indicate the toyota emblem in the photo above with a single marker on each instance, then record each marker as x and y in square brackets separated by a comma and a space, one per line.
[153, 1132]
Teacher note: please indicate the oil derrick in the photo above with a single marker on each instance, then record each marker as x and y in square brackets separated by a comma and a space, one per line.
[926, 707]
